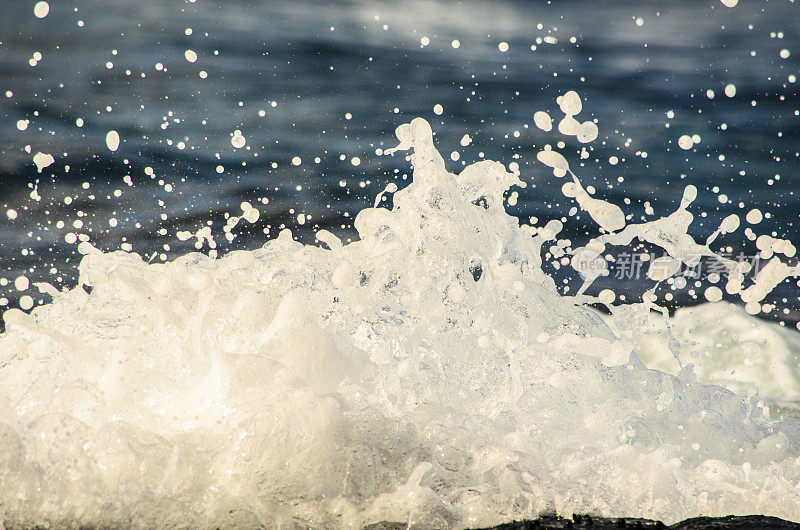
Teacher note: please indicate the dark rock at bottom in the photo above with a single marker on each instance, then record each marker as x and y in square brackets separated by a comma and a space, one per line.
[731, 522]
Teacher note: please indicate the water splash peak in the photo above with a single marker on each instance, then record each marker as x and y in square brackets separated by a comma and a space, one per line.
[429, 373]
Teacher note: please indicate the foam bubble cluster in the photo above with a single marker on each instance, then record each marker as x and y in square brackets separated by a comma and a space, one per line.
[429, 373]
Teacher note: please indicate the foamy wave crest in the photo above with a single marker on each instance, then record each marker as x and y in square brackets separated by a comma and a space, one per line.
[428, 373]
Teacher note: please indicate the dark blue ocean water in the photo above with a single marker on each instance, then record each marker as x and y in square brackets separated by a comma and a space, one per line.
[332, 80]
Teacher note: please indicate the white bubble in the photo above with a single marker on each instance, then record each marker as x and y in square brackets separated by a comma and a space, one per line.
[570, 103]
[190, 55]
[22, 124]
[438, 109]
[587, 132]
[237, 140]
[112, 140]
[22, 283]
[11, 213]
[607, 296]
[729, 224]
[425, 41]
[613, 160]
[713, 294]
[543, 120]
[250, 214]
[355, 161]
[43, 160]
[730, 90]
[41, 9]
[785, 53]
[465, 140]
[754, 216]
[296, 161]
[685, 142]
[26, 302]
[503, 46]
[84, 247]
[554, 160]
[729, 3]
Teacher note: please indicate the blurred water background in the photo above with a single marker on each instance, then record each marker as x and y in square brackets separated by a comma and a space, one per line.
[330, 81]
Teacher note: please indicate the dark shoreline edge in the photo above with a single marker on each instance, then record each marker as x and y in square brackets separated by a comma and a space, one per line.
[695, 523]
[730, 522]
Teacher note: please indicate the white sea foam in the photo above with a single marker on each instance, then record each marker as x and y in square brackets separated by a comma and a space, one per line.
[727, 347]
[428, 373]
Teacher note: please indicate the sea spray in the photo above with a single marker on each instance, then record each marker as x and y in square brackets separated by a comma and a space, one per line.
[726, 347]
[428, 373]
